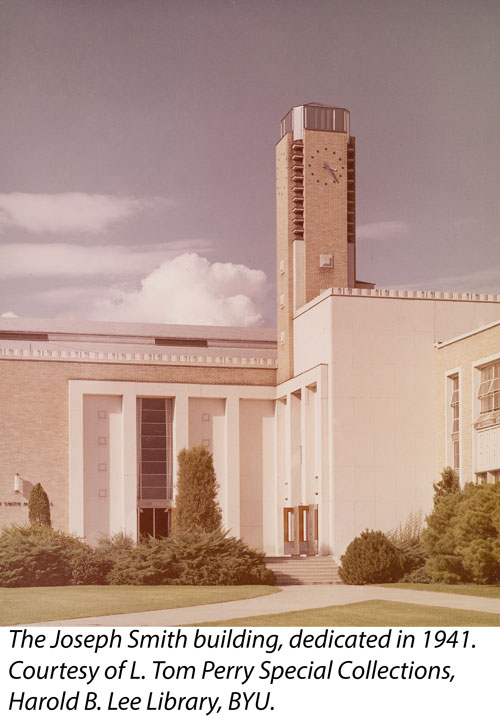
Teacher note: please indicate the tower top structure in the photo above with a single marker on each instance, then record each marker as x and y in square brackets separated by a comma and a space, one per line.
[315, 116]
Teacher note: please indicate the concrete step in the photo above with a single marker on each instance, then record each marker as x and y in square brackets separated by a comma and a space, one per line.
[312, 570]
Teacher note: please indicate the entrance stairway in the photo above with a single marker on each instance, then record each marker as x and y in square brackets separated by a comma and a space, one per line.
[310, 570]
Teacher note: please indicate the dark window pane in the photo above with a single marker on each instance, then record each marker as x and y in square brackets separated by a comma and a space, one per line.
[154, 493]
[153, 429]
[154, 416]
[154, 442]
[154, 468]
[146, 522]
[154, 480]
[153, 403]
[153, 454]
[161, 522]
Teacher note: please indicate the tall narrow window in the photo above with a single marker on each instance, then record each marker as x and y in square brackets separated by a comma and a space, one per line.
[489, 397]
[455, 429]
[155, 460]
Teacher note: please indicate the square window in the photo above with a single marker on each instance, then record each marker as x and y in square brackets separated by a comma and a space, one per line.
[101, 413]
[205, 443]
[102, 493]
[326, 261]
[102, 467]
[102, 440]
[205, 417]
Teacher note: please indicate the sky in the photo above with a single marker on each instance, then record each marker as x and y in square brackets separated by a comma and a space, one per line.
[137, 176]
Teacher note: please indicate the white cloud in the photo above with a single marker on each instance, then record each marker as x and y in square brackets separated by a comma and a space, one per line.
[64, 259]
[190, 290]
[382, 230]
[8, 314]
[67, 212]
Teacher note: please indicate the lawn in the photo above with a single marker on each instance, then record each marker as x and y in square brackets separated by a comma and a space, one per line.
[490, 591]
[40, 604]
[372, 613]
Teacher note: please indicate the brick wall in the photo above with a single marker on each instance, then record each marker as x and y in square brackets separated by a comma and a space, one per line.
[325, 210]
[34, 437]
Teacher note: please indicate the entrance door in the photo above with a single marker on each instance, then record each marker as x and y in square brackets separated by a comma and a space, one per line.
[300, 530]
[154, 522]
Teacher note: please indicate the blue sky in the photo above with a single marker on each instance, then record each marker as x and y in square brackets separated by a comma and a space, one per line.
[138, 142]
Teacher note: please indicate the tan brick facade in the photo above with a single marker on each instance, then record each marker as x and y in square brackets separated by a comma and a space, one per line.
[460, 357]
[325, 210]
[34, 420]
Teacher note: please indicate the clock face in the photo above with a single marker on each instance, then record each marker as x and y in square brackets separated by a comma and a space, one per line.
[327, 171]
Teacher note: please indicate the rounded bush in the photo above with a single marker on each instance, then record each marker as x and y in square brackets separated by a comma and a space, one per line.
[36, 555]
[370, 558]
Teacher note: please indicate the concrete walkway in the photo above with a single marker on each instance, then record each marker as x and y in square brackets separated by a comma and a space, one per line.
[295, 597]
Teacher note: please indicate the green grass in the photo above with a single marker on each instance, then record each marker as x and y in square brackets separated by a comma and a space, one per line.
[372, 613]
[40, 604]
[490, 591]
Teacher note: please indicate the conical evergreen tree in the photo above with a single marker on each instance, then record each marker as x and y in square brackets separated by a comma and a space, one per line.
[39, 506]
[449, 483]
[196, 503]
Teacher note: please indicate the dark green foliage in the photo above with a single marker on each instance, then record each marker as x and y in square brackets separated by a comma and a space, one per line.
[419, 575]
[149, 563]
[407, 539]
[448, 484]
[213, 558]
[196, 503]
[37, 555]
[370, 558]
[194, 557]
[39, 506]
[463, 536]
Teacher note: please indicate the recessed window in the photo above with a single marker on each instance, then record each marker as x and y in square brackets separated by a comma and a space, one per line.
[102, 440]
[489, 396]
[102, 493]
[282, 337]
[101, 413]
[205, 442]
[102, 467]
[205, 417]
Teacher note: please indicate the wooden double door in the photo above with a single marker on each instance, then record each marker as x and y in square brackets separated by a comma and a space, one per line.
[300, 530]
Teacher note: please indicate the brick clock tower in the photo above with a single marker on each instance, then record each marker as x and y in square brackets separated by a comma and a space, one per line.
[316, 214]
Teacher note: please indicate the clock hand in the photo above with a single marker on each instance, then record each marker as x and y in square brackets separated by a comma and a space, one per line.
[332, 171]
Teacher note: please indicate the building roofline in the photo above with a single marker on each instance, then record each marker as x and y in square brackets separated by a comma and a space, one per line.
[65, 328]
[471, 333]
[388, 294]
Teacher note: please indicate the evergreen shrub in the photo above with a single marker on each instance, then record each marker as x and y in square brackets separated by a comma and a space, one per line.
[36, 555]
[39, 506]
[407, 539]
[370, 558]
[462, 538]
[213, 558]
[196, 503]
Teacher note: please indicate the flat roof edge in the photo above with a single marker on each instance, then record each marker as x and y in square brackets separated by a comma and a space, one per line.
[399, 295]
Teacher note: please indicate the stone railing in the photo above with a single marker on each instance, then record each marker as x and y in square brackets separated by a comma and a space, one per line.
[417, 294]
[127, 357]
